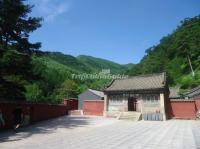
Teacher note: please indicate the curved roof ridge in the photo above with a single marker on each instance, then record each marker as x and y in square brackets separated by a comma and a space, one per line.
[144, 75]
[149, 81]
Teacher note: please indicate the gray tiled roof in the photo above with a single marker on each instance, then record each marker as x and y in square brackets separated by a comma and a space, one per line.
[195, 92]
[98, 93]
[143, 82]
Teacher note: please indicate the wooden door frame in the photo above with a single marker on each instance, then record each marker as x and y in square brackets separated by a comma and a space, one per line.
[132, 104]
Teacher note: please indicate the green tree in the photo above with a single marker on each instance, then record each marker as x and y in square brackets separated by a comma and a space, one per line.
[15, 73]
[178, 54]
[16, 25]
[15, 48]
[33, 93]
[67, 89]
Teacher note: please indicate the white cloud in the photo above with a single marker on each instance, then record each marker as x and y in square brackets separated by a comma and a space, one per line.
[51, 9]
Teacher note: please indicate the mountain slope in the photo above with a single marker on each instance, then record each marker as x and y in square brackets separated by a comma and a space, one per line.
[173, 53]
[57, 71]
[97, 64]
[82, 63]
[70, 62]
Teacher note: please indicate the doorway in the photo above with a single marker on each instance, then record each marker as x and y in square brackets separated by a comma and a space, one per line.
[132, 104]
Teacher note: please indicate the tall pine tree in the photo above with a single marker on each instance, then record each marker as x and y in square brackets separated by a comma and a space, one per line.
[15, 48]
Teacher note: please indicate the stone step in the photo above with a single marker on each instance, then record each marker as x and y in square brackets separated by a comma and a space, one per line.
[135, 116]
[75, 112]
[128, 114]
[113, 114]
[128, 117]
[131, 119]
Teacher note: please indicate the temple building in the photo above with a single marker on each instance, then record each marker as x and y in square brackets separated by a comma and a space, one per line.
[144, 95]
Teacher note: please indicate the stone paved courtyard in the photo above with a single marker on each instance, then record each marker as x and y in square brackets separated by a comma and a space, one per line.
[101, 133]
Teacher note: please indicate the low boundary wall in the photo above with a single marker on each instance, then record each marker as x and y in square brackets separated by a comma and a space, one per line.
[34, 112]
[93, 107]
[183, 108]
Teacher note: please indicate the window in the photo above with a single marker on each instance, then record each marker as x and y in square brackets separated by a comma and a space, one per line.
[115, 99]
[151, 99]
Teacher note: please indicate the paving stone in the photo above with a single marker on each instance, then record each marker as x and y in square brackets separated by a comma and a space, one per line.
[78, 132]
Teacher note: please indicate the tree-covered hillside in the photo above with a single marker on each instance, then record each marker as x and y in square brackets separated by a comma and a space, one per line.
[56, 70]
[173, 54]
[32, 75]
[97, 64]
[71, 62]
[29, 74]
[84, 63]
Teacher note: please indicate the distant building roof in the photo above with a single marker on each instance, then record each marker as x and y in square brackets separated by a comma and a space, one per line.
[142, 82]
[98, 93]
[195, 92]
[174, 92]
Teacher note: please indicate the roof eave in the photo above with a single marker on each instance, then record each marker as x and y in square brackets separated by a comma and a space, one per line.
[136, 90]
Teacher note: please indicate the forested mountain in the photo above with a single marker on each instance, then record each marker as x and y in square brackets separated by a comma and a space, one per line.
[32, 75]
[97, 64]
[173, 55]
[29, 74]
[56, 70]
[85, 64]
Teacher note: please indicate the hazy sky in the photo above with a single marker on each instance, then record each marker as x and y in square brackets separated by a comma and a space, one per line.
[117, 30]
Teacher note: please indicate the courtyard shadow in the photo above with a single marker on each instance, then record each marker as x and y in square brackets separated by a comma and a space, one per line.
[48, 126]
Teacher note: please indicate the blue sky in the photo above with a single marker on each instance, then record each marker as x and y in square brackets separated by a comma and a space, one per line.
[117, 30]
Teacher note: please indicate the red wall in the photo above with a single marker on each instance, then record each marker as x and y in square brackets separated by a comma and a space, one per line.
[182, 109]
[37, 112]
[197, 102]
[71, 104]
[93, 107]
[44, 111]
